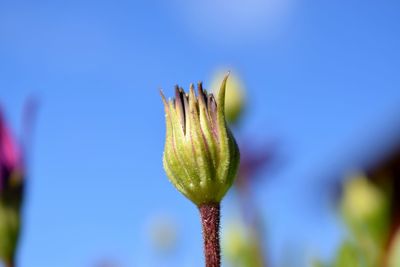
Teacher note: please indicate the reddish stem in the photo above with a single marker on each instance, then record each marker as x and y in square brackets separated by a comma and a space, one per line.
[210, 220]
[10, 264]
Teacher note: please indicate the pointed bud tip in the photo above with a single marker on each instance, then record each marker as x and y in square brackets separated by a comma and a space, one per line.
[221, 93]
[192, 92]
[200, 86]
[164, 100]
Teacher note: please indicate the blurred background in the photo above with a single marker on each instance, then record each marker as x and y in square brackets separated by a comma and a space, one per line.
[321, 89]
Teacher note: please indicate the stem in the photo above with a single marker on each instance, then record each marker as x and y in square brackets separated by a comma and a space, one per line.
[210, 220]
[10, 263]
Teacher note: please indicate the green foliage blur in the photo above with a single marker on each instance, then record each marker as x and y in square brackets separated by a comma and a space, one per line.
[365, 210]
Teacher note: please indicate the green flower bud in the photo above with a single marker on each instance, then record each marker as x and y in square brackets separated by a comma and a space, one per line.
[241, 245]
[362, 200]
[201, 156]
[235, 97]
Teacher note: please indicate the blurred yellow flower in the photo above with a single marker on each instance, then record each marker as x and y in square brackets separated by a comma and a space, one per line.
[240, 245]
[361, 199]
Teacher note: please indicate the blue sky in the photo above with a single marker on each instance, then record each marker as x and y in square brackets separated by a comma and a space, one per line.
[322, 78]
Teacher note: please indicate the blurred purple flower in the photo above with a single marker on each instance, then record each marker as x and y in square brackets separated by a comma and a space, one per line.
[254, 158]
[12, 171]
[11, 163]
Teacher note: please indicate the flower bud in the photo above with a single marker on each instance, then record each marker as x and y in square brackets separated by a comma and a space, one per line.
[235, 97]
[201, 156]
[361, 199]
[11, 193]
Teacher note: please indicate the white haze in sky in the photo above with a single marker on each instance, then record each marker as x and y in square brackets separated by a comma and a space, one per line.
[237, 21]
